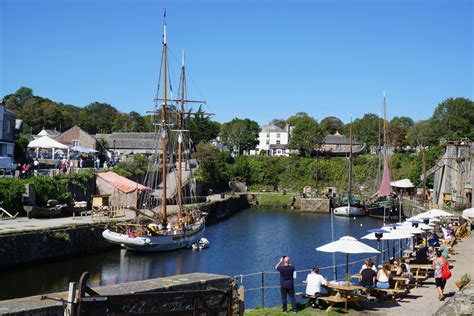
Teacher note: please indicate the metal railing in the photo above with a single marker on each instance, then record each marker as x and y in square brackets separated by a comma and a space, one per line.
[261, 284]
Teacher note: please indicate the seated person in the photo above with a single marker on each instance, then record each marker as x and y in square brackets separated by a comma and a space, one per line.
[402, 270]
[421, 256]
[368, 275]
[314, 280]
[431, 253]
[383, 277]
[366, 264]
[433, 240]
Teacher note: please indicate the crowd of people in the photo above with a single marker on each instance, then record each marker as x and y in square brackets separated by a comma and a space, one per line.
[429, 249]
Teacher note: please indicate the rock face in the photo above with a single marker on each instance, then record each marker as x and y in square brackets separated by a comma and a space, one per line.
[460, 304]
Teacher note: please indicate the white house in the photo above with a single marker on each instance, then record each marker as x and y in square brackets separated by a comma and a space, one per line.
[273, 140]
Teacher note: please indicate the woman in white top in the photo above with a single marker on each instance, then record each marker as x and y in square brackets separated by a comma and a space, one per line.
[314, 280]
[383, 277]
[366, 264]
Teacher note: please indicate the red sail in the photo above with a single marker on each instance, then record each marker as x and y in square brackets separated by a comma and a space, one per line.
[385, 188]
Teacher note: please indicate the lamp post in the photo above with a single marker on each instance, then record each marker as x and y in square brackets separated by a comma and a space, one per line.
[378, 234]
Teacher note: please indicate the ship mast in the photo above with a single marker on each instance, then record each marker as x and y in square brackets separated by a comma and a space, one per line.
[180, 139]
[163, 130]
[350, 166]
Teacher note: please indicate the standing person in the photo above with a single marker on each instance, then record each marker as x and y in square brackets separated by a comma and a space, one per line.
[81, 162]
[443, 249]
[314, 280]
[97, 163]
[287, 286]
[438, 264]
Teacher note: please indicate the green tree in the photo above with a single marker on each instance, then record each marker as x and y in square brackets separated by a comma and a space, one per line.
[454, 118]
[201, 127]
[98, 118]
[307, 134]
[421, 134]
[20, 151]
[368, 129]
[403, 121]
[281, 123]
[240, 134]
[213, 170]
[332, 124]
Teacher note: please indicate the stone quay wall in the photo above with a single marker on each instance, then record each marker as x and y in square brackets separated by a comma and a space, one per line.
[34, 306]
[55, 243]
[47, 245]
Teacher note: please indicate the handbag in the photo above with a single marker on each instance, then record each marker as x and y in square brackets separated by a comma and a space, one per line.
[445, 272]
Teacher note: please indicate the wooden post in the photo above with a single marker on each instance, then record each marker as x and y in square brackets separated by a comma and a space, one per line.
[241, 292]
[71, 296]
[263, 289]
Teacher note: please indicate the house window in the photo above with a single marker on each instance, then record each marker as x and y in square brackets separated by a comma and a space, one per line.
[338, 147]
[278, 142]
[279, 151]
[268, 141]
[278, 135]
[75, 143]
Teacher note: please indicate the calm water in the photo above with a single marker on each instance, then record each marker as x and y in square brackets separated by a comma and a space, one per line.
[248, 242]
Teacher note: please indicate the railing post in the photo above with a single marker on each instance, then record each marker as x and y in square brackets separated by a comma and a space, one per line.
[263, 289]
[241, 300]
[71, 296]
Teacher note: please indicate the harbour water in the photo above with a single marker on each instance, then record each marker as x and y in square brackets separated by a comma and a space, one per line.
[248, 242]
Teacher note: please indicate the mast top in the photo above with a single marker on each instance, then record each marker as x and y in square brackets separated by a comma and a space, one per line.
[182, 57]
[164, 34]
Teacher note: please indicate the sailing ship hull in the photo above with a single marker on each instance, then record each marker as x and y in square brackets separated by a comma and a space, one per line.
[156, 243]
[42, 212]
[348, 210]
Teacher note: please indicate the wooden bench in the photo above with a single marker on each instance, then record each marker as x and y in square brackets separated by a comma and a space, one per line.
[391, 292]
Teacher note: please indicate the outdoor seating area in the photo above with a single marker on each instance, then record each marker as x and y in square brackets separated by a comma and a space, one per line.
[415, 267]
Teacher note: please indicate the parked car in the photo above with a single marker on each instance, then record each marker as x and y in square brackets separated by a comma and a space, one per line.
[7, 165]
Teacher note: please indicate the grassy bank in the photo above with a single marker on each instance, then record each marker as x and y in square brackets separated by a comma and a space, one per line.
[273, 200]
[302, 310]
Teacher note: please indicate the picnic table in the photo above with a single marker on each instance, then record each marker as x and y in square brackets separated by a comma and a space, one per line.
[420, 271]
[345, 293]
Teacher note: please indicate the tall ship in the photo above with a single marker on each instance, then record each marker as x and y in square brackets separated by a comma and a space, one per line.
[349, 208]
[384, 204]
[162, 231]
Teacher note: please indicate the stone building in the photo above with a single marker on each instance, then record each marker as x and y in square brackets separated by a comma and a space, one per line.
[7, 131]
[454, 175]
[76, 137]
[339, 145]
[124, 145]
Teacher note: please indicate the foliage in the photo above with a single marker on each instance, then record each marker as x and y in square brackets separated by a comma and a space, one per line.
[275, 201]
[281, 123]
[454, 118]
[47, 188]
[213, 172]
[202, 128]
[21, 145]
[240, 135]
[465, 278]
[368, 129]
[332, 124]
[62, 235]
[307, 134]
[11, 191]
[136, 166]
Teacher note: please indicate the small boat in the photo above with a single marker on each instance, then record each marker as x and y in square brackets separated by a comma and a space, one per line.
[43, 212]
[349, 210]
[201, 244]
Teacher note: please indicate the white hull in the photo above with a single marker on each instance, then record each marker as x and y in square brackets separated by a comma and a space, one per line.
[156, 243]
[348, 210]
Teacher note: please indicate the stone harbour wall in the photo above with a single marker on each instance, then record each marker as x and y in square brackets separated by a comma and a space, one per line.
[460, 304]
[221, 209]
[47, 245]
[153, 304]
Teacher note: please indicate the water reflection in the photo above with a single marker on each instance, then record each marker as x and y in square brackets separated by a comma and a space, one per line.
[250, 241]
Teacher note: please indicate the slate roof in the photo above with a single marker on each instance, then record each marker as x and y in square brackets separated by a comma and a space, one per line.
[132, 140]
[339, 139]
[270, 128]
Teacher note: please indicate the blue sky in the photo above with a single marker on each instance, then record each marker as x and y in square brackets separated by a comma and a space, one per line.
[255, 59]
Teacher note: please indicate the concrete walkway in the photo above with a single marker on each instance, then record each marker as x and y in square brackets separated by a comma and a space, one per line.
[23, 224]
[424, 300]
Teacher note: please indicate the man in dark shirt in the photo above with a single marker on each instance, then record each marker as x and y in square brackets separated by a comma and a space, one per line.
[421, 256]
[286, 282]
[368, 276]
